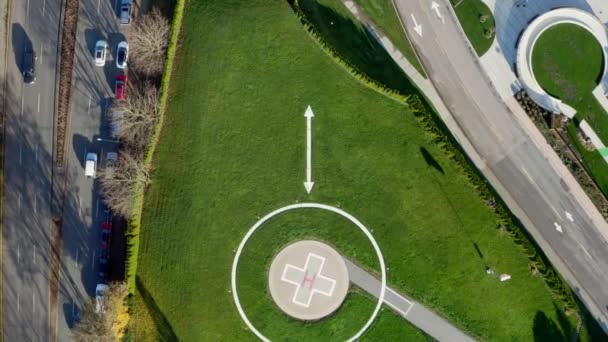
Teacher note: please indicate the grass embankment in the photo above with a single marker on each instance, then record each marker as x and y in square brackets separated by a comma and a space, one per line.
[383, 14]
[477, 22]
[573, 83]
[232, 149]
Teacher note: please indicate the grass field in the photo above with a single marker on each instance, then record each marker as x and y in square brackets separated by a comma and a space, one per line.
[573, 83]
[232, 150]
[469, 14]
[383, 14]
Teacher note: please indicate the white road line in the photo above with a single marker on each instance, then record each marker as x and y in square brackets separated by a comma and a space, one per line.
[35, 203]
[34, 257]
[43, 6]
[19, 201]
[38, 102]
[18, 301]
[42, 44]
[33, 302]
[98, 5]
[21, 104]
[36, 152]
[585, 250]
[27, 8]
[18, 253]
[89, 105]
[555, 211]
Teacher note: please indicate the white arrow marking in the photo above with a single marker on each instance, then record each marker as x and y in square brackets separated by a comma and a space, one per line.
[435, 7]
[569, 216]
[308, 184]
[558, 227]
[417, 27]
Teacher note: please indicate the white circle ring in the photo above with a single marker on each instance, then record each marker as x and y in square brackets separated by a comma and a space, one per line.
[338, 211]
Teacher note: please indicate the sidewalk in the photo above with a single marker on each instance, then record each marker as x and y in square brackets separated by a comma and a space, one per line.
[425, 319]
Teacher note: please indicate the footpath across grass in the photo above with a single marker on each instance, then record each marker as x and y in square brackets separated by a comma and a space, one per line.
[383, 14]
[232, 150]
[477, 22]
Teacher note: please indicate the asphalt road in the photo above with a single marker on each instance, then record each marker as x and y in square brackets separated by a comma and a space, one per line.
[522, 172]
[425, 319]
[84, 210]
[29, 138]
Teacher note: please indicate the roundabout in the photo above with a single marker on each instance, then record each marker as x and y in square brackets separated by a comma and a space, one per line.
[295, 272]
[530, 37]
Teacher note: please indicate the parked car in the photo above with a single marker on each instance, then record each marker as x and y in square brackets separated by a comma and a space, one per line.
[114, 119]
[120, 92]
[111, 160]
[100, 291]
[106, 233]
[122, 54]
[90, 168]
[29, 66]
[101, 50]
[125, 12]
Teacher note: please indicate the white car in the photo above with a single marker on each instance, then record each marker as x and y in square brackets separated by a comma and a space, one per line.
[100, 291]
[101, 50]
[90, 167]
[125, 12]
[122, 54]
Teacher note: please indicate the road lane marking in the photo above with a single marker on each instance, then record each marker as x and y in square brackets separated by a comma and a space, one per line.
[34, 302]
[18, 301]
[36, 152]
[18, 253]
[35, 203]
[19, 201]
[41, 45]
[43, 6]
[569, 217]
[27, 8]
[89, 105]
[558, 227]
[585, 250]
[98, 5]
[21, 103]
[555, 211]
[34, 258]
[38, 102]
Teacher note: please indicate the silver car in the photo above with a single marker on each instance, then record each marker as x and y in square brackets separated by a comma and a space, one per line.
[101, 50]
[125, 12]
[122, 54]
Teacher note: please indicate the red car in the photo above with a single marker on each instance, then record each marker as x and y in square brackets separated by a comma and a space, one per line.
[120, 88]
[106, 231]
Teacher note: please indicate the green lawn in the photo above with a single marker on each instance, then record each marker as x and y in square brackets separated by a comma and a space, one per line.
[573, 83]
[383, 14]
[232, 150]
[470, 14]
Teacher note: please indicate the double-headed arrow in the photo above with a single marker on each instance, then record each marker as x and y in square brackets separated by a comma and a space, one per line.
[308, 184]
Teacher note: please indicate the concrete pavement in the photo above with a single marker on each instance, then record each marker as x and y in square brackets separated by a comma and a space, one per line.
[28, 156]
[84, 210]
[513, 156]
[425, 319]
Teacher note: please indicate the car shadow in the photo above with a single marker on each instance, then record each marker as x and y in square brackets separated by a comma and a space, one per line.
[21, 42]
[81, 145]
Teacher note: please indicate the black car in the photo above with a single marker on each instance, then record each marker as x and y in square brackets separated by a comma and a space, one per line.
[29, 67]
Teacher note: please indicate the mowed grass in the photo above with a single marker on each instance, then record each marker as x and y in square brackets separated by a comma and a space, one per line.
[383, 14]
[232, 150]
[573, 83]
[480, 32]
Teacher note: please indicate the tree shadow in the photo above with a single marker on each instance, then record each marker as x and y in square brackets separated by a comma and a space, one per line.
[430, 161]
[358, 45]
[163, 327]
[545, 329]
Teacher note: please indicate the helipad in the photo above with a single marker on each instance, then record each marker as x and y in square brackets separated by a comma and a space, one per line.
[308, 280]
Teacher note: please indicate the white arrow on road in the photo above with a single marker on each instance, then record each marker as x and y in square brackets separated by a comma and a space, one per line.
[435, 7]
[569, 216]
[308, 184]
[417, 27]
[558, 227]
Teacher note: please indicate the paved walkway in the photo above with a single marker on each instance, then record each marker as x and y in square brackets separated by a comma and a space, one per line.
[425, 319]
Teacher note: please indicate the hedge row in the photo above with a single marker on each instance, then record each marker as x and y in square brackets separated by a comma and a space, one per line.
[351, 68]
[504, 218]
[134, 223]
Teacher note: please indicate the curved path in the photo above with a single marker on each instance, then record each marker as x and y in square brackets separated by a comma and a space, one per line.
[528, 40]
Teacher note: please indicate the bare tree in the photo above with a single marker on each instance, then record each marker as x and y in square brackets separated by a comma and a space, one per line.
[109, 325]
[119, 186]
[137, 114]
[149, 40]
